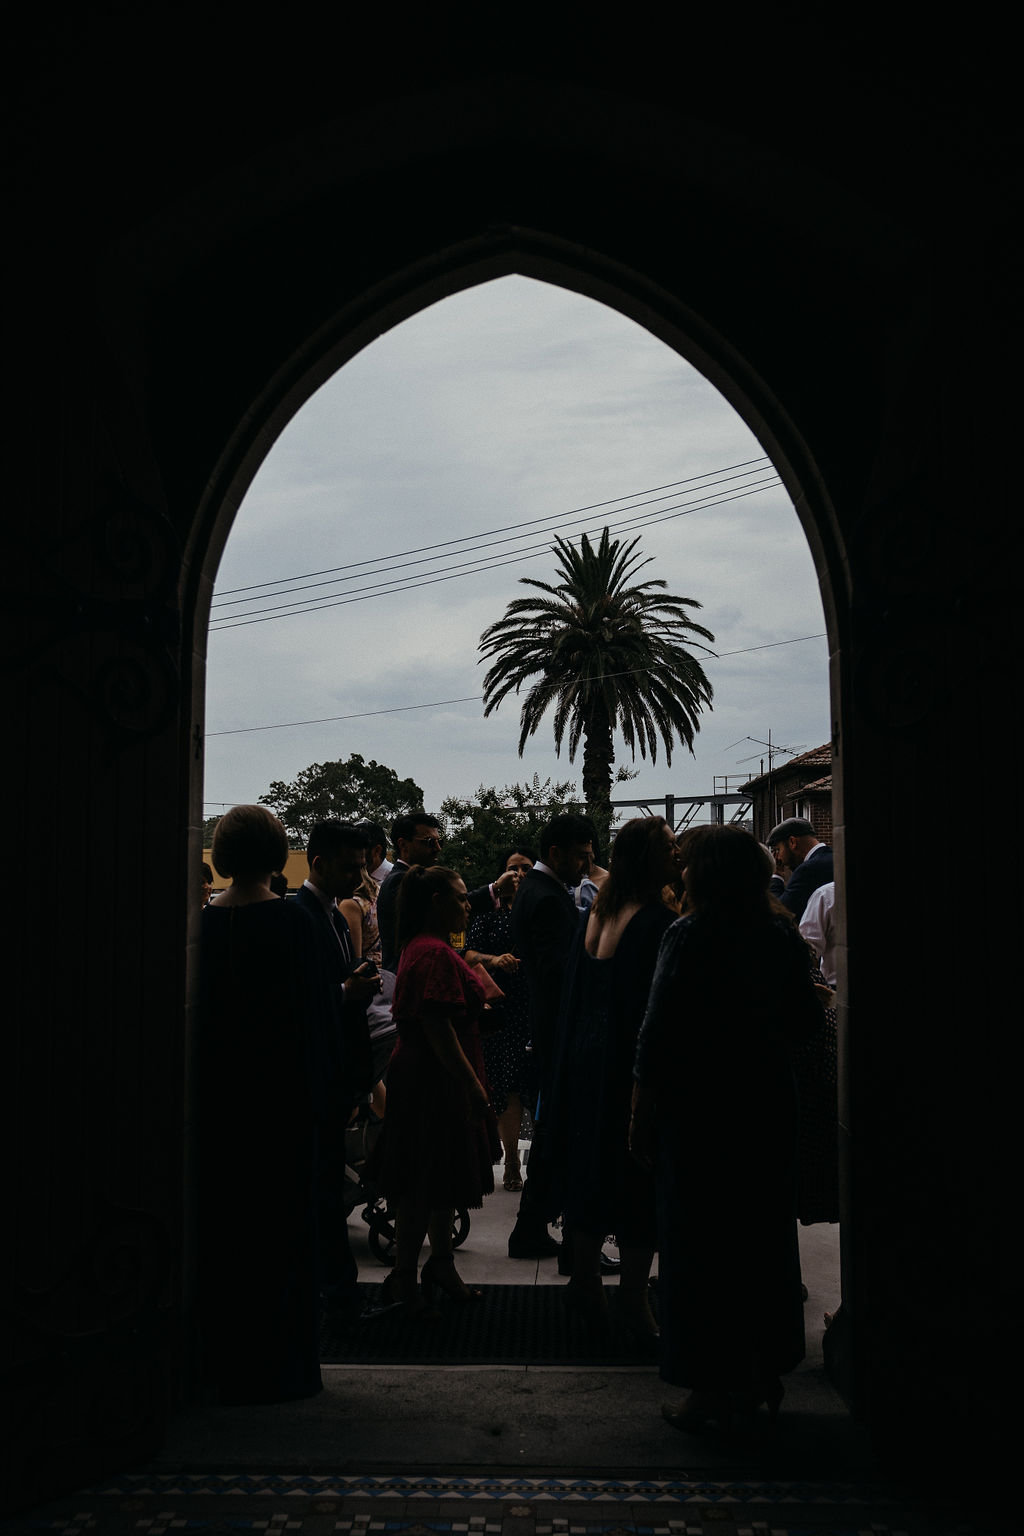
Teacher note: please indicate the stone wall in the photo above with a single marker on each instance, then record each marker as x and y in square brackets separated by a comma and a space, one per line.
[206, 224]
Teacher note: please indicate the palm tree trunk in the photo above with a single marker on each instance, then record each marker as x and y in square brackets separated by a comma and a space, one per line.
[598, 766]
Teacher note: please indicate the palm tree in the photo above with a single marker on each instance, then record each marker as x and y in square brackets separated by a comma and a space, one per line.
[606, 655]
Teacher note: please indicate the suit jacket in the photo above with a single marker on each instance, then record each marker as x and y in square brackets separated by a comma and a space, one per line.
[543, 922]
[816, 869]
[480, 902]
[387, 896]
[350, 1055]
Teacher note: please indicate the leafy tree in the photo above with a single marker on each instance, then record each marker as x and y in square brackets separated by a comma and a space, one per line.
[607, 655]
[208, 826]
[349, 790]
[477, 832]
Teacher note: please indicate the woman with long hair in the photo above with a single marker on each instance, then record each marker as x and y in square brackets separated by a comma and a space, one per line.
[715, 1103]
[598, 1187]
[440, 1141]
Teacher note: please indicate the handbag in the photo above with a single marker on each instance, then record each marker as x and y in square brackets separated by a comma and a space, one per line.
[493, 1016]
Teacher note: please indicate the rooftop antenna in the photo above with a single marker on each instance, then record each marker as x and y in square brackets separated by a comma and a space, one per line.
[773, 750]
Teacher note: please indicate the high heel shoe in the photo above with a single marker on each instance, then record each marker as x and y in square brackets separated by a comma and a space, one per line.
[768, 1393]
[441, 1275]
[398, 1293]
[700, 1411]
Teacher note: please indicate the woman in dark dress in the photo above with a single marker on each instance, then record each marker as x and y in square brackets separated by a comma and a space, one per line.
[598, 1186]
[732, 996]
[261, 1035]
[506, 1058]
[440, 1140]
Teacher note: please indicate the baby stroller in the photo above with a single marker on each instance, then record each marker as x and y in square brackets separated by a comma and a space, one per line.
[360, 1139]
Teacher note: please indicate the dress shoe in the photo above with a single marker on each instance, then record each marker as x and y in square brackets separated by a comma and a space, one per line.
[528, 1244]
[733, 1413]
[700, 1411]
[609, 1266]
[440, 1275]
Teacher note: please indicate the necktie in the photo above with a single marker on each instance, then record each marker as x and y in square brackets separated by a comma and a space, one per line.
[343, 936]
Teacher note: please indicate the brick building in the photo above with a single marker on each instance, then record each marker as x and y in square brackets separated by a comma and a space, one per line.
[800, 786]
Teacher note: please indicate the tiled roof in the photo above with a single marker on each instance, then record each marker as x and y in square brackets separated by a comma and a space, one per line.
[823, 785]
[818, 757]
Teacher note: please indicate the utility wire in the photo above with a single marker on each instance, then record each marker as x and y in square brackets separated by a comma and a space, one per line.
[476, 698]
[661, 514]
[671, 487]
[379, 589]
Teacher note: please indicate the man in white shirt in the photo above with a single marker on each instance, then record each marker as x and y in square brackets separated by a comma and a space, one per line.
[818, 927]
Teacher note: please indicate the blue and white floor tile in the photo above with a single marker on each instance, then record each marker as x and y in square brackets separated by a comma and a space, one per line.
[338, 1505]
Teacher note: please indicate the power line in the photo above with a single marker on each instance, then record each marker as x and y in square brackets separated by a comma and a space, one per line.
[670, 487]
[379, 589]
[712, 497]
[476, 698]
[391, 563]
[707, 495]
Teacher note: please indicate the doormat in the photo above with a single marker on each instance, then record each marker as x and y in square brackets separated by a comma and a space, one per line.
[509, 1325]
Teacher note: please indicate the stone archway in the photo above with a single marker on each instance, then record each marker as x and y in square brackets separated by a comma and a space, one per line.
[543, 258]
[526, 253]
[783, 234]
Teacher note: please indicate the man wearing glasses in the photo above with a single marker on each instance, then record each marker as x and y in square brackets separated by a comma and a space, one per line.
[416, 839]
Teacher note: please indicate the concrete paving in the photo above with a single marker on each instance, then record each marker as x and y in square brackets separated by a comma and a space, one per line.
[570, 1421]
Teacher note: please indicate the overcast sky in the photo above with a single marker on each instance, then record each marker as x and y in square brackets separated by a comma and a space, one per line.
[511, 404]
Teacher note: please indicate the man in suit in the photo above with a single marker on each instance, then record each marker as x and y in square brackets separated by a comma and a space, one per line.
[416, 839]
[794, 846]
[336, 854]
[544, 921]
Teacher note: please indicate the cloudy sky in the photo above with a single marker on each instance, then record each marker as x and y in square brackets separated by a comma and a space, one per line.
[495, 416]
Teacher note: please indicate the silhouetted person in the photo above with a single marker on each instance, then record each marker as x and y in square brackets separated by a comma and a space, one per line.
[337, 857]
[544, 920]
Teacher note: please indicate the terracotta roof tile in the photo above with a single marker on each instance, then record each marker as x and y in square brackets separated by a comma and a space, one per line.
[822, 755]
[818, 757]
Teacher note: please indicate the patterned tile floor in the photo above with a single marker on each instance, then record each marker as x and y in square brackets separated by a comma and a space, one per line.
[335, 1505]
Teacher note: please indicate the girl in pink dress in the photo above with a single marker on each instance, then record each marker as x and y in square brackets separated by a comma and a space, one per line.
[440, 1139]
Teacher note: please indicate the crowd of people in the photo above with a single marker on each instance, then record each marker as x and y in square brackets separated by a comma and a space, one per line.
[664, 1021]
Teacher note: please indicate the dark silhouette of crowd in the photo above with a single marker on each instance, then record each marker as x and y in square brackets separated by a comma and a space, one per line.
[643, 1023]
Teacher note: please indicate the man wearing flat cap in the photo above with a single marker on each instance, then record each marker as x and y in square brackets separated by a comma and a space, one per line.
[794, 845]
